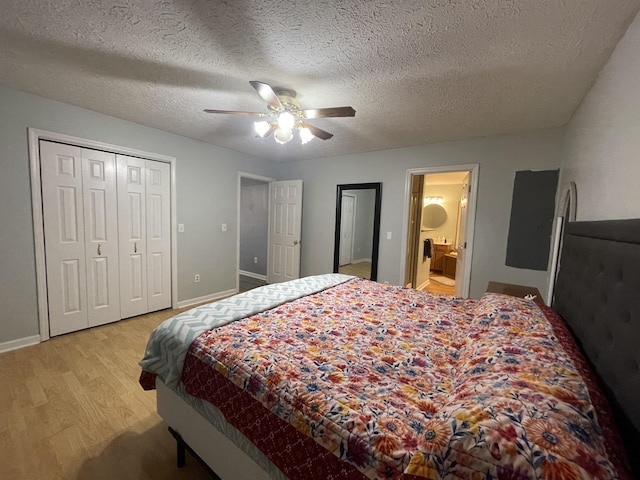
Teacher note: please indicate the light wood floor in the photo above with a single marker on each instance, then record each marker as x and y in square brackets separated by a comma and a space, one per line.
[435, 287]
[360, 269]
[72, 408]
[247, 283]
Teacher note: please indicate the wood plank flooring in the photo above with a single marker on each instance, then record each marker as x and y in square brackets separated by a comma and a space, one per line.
[247, 283]
[72, 408]
[436, 287]
[360, 269]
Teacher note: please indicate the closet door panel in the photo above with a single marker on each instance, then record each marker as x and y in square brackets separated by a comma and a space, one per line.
[158, 191]
[136, 278]
[132, 232]
[101, 236]
[64, 231]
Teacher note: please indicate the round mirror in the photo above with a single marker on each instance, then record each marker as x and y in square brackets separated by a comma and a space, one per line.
[433, 215]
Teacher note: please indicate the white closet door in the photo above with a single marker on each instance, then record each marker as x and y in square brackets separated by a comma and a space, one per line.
[62, 205]
[158, 192]
[101, 236]
[284, 231]
[132, 232]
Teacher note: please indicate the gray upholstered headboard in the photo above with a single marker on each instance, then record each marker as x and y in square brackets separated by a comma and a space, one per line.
[597, 292]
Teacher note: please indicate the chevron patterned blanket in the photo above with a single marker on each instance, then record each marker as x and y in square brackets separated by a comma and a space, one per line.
[169, 343]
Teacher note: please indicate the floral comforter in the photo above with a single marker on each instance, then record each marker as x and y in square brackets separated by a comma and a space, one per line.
[403, 384]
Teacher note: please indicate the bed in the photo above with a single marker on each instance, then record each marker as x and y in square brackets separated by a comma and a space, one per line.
[337, 377]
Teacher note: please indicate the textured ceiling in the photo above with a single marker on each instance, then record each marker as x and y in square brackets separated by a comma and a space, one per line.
[415, 71]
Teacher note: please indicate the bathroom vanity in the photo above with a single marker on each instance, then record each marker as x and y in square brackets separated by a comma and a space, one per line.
[439, 251]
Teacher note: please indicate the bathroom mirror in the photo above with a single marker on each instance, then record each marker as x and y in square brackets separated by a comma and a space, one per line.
[433, 216]
[357, 231]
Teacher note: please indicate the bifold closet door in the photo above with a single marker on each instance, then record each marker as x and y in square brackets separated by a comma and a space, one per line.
[101, 236]
[145, 243]
[80, 228]
[158, 192]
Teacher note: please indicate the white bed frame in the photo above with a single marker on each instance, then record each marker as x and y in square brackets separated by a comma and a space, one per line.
[226, 459]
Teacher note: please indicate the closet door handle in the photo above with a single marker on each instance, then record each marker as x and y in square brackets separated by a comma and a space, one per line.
[135, 247]
[99, 249]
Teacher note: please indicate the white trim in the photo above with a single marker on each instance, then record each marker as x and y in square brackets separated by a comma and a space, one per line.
[555, 253]
[266, 180]
[473, 170]
[174, 237]
[424, 285]
[83, 142]
[35, 135]
[252, 275]
[207, 298]
[19, 343]
[38, 233]
[565, 212]
[567, 202]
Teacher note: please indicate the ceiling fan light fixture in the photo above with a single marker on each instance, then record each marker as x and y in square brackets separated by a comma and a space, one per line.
[286, 121]
[305, 135]
[287, 116]
[261, 127]
[283, 135]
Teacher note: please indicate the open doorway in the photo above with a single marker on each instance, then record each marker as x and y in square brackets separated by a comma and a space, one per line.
[253, 230]
[269, 219]
[440, 213]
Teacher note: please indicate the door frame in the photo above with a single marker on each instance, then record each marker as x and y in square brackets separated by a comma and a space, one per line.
[473, 170]
[266, 180]
[35, 135]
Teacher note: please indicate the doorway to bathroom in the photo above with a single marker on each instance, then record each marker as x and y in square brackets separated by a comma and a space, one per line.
[440, 212]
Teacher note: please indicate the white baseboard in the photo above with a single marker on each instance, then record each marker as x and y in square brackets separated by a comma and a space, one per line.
[19, 343]
[252, 275]
[424, 284]
[207, 298]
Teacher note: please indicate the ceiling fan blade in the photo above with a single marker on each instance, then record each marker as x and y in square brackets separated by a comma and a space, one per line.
[317, 132]
[267, 94]
[272, 128]
[331, 112]
[233, 112]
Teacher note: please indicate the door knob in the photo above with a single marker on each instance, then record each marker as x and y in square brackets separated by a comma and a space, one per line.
[99, 249]
[296, 242]
[135, 247]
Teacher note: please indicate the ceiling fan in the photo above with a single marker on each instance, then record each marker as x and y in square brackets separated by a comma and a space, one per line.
[287, 115]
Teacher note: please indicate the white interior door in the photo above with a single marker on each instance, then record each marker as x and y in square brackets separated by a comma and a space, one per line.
[101, 236]
[461, 246]
[132, 235]
[158, 194]
[347, 217]
[62, 206]
[285, 228]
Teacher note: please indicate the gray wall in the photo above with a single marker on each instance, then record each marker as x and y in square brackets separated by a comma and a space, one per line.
[602, 153]
[499, 158]
[451, 195]
[206, 179]
[206, 198]
[254, 224]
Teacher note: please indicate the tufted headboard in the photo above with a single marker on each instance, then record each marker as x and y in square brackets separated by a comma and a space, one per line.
[597, 292]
